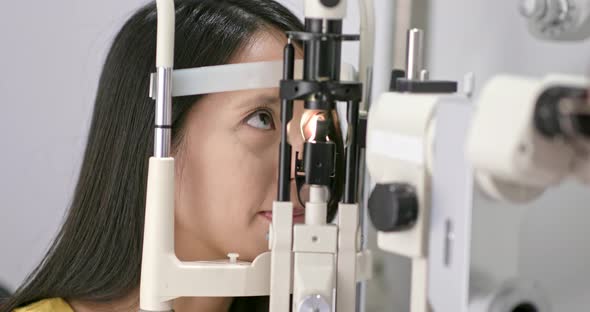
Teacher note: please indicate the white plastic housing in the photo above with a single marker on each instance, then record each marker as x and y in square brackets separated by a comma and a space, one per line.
[397, 149]
[314, 274]
[165, 33]
[314, 270]
[158, 235]
[399, 136]
[450, 222]
[315, 245]
[510, 156]
[316, 209]
[281, 240]
[348, 221]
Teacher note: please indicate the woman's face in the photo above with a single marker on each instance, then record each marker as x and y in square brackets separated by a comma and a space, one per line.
[227, 166]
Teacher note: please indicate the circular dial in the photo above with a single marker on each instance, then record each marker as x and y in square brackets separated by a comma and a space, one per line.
[549, 17]
[393, 207]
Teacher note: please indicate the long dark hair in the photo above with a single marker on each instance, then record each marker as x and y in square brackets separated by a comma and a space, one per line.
[96, 255]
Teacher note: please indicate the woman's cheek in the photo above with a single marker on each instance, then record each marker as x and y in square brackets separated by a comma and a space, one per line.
[255, 154]
[258, 142]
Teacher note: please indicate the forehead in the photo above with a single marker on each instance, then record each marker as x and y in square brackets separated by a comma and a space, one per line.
[265, 45]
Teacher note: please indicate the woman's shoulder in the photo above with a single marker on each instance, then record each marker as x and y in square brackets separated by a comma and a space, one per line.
[47, 305]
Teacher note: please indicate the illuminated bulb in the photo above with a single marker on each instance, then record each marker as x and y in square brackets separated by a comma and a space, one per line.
[316, 126]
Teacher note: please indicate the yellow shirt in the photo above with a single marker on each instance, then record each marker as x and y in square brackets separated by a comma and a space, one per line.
[47, 305]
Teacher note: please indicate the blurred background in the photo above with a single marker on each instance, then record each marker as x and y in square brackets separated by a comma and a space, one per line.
[52, 53]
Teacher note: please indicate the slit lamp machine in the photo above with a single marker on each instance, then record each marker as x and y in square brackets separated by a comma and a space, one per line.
[425, 144]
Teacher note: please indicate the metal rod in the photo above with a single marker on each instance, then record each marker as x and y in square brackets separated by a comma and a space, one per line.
[364, 186]
[316, 209]
[352, 155]
[415, 55]
[284, 192]
[163, 113]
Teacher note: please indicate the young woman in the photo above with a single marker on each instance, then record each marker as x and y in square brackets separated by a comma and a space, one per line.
[226, 150]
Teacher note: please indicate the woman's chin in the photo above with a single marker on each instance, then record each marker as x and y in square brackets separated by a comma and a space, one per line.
[257, 243]
[251, 255]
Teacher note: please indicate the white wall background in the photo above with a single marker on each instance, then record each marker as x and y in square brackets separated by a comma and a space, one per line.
[51, 56]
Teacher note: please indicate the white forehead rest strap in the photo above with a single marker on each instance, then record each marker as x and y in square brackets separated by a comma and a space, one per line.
[234, 77]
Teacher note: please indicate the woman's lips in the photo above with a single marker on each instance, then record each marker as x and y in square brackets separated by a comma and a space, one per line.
[298, 215]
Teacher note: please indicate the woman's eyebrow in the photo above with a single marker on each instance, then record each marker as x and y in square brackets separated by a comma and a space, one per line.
[261, 99]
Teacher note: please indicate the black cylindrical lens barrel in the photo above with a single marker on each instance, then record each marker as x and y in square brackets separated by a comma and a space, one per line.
[311, 50]
[332, 52]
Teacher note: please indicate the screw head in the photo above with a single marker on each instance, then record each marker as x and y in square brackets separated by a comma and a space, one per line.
[314, 303]
[233, 257]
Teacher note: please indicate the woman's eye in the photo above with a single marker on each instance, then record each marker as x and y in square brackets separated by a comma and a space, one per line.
[260, 120]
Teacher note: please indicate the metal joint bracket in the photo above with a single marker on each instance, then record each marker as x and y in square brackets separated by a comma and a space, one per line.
[153, 88]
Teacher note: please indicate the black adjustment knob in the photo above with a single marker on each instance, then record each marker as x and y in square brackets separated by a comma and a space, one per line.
[549, 119]
[330, 3]
[393, 207]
